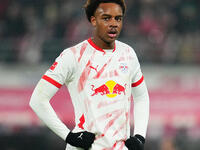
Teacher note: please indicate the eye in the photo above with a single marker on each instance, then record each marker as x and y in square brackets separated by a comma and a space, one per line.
[106, 18]
[118, 18]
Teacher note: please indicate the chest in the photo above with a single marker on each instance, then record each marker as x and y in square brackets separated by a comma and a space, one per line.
[106, 66]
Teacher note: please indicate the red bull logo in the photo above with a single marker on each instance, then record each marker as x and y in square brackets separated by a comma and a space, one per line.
[110, 89]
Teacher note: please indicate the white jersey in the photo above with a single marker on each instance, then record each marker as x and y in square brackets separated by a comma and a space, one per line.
[99, 82]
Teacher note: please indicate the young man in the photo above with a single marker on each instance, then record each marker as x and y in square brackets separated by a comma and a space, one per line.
[101, 74]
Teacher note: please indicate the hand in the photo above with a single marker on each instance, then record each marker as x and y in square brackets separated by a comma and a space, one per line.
[81, 139]
[135, 142]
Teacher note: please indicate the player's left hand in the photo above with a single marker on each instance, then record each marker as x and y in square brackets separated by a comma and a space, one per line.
[135, 142]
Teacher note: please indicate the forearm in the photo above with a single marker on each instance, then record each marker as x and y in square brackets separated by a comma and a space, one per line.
[141, 109]
[39, 102]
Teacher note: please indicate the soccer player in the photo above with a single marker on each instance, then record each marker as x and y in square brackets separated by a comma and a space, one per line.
[101, 73]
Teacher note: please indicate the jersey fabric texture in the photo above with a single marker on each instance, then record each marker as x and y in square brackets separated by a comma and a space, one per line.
[99, 82]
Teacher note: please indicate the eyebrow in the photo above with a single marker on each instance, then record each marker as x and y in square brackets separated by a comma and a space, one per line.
[107, 15]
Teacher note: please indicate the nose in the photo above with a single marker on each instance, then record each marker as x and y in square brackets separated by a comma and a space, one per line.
[114, 23]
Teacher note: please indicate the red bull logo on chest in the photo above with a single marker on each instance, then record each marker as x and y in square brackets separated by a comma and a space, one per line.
[110, 89]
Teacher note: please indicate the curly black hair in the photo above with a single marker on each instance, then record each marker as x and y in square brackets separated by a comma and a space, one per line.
[92, 5]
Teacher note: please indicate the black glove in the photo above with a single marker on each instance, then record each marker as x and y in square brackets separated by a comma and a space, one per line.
[81, 139]
[135, 142]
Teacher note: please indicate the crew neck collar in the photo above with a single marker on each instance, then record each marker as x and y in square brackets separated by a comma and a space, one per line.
[97, 47]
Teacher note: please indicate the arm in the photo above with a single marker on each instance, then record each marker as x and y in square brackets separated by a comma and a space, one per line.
[141, 113]
[141, 109]
[59, 73]
[39, 102]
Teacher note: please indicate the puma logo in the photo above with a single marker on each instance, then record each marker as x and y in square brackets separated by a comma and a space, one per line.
[80, 136]
[94, 68]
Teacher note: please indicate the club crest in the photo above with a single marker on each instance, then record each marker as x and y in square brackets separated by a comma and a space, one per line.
[123, 67]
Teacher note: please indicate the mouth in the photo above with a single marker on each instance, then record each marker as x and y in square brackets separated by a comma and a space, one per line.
[112, 34]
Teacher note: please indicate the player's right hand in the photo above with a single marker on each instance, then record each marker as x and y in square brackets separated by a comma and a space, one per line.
[81, 139]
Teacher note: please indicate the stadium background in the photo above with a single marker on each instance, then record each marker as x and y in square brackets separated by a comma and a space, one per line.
[165, 35]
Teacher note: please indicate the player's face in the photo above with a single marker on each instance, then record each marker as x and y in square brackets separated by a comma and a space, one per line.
[107, 22]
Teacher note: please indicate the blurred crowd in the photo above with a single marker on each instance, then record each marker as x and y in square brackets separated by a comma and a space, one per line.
[161, 31]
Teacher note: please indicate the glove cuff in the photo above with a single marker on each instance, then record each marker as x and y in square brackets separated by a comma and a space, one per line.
[140, 138]
[68, 137]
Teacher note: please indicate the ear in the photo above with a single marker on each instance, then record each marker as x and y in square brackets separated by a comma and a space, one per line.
[93, 21]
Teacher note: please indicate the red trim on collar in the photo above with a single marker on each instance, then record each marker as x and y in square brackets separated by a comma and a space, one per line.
[98, 48]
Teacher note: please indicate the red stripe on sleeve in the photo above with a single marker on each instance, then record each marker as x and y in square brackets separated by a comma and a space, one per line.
[138, 82]
[52, 81]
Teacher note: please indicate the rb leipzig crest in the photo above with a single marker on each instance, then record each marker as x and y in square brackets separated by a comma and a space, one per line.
[123, 67]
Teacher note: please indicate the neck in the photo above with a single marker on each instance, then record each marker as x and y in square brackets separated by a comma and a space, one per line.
[103, 44]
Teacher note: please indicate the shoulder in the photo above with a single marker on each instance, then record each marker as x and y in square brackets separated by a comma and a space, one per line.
[78, 47]
[125, 47]
[73, 50]
[130, 55]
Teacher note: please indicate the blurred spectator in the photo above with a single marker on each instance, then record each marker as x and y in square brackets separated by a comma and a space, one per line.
[167, 144]
[182, 139]
[188, 16]
[14, 23]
